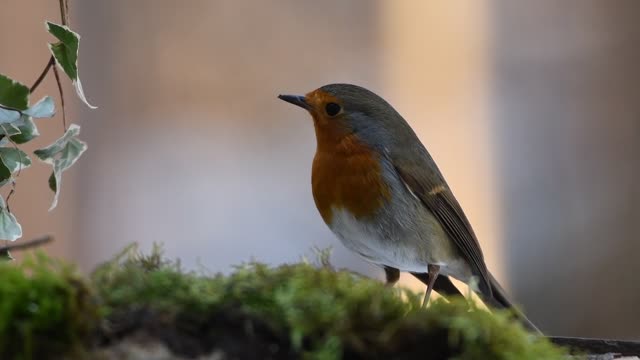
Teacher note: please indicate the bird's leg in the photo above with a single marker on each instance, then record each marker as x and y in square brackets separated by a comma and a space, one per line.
[433, 275]
[392, 274]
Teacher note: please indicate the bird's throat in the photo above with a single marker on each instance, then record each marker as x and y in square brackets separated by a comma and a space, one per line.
[347, 174]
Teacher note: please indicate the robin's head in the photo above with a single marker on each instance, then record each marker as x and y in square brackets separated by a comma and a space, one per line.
[340, 110]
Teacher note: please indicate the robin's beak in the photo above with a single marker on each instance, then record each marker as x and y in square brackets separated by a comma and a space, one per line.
[295, 100]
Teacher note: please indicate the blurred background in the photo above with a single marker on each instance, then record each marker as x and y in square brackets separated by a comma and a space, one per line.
[530, 108]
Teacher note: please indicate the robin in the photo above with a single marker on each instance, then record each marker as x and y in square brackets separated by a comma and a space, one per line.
[378, 189]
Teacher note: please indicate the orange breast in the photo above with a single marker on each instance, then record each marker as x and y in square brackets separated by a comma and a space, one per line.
[347, 174]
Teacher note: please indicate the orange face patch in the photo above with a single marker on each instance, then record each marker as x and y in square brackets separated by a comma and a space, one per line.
[329, 129]
[317, 99]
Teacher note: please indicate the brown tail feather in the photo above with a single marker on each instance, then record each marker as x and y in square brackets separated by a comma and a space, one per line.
[500, 300]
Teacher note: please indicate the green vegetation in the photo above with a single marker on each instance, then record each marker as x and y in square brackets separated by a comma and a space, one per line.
[45, 308]
[308, 311]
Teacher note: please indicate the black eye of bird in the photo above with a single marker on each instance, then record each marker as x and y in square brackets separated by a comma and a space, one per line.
[332, 109]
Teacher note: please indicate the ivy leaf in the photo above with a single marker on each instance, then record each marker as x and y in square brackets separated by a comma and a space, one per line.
[45, 108]
[24, 129]
[12, 160]
[10, 229]
[8, 115]
[5, 175]
[63, 153]
[65, 51]
[9, 129]
[42, 109]
[7, 180]
[14, 95]
[48, 153]
[27, 130]
[18, 124]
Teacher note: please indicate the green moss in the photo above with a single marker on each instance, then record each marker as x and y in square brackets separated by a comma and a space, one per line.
[45, 308]
[326, 313]
[134, 280]
[309, 311]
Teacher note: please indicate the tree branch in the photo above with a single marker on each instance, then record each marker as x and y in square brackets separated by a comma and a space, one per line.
[598, 346]
[27, 244]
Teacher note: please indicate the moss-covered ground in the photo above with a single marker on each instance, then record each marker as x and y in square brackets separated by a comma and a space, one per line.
[257, 312]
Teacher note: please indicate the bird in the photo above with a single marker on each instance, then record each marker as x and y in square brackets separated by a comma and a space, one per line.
[381, 193]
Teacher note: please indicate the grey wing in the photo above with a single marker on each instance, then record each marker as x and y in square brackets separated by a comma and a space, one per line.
[436, 196]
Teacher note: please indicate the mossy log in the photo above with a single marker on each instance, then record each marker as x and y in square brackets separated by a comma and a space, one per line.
[146, 307]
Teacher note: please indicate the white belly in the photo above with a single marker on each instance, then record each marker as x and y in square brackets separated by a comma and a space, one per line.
[405, 249]
[364, 238]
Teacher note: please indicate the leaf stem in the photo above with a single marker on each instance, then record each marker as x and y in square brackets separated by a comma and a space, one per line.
[13, 190]
[64, 115]
[64, 12]
[44, 73]
[13, 179]
[64, 18]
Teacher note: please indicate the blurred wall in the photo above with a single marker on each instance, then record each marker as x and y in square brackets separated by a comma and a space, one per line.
[567, 105]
